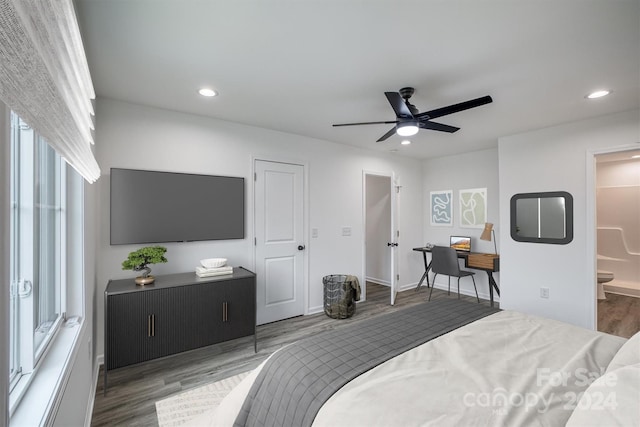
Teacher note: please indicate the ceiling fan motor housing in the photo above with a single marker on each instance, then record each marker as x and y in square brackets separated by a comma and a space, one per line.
[409, 120]
[406, 93]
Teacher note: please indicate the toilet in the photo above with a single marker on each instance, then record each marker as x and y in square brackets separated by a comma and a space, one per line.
[603, 277]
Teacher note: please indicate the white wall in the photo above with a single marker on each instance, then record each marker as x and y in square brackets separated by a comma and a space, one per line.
[378, 219]
[557, 159]
[477, 169]
[133, 136]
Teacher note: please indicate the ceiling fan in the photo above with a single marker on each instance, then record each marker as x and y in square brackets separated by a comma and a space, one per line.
[409, 120]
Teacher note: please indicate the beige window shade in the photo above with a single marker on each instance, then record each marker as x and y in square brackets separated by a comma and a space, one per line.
[44, 77]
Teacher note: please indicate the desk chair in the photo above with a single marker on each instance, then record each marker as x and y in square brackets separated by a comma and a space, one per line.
[444, 260]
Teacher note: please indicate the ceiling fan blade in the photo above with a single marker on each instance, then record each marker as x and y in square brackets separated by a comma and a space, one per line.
[387, 135]
[366, 123]
[439, 112]
[398, 105]
[437, 126]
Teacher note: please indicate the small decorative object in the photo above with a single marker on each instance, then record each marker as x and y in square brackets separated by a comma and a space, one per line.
[213, 262]
[138, 261]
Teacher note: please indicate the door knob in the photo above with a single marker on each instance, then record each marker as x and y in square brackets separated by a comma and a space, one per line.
[300, 247]
[392, 244]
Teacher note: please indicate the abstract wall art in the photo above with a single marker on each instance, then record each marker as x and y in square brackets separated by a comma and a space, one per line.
[473, 207]
[441, 211]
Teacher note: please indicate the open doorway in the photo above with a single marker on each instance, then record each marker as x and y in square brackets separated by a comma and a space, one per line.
[617, 201]
[380, 263]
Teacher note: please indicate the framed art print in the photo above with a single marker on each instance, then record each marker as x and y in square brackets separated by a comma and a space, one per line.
[441, 210]
[473, 207]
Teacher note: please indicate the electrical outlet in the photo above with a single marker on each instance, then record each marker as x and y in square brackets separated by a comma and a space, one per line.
[544, 292]
[314, 233]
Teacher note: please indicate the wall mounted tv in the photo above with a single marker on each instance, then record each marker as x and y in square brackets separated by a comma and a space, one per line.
[156, 207]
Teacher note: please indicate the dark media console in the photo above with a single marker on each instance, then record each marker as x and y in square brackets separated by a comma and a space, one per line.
[178, 312]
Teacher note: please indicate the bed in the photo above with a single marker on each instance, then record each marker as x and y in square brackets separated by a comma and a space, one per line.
[493, 368]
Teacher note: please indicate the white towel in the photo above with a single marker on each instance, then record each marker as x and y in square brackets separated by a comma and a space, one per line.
[217, 271]
[226, 268]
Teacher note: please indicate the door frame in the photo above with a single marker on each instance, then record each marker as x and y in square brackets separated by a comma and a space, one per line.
[394, 225]
[251, 222]
[592, 225]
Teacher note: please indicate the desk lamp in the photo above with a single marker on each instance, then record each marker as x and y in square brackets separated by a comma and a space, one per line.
[486, 234]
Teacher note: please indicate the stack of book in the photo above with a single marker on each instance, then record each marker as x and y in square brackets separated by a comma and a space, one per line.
[217, 271]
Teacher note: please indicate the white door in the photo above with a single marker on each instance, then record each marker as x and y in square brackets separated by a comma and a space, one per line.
[278, 206]
[395, 235]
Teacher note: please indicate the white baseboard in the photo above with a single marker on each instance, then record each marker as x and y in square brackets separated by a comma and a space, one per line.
[315, 310]
[378, 281]
[471, 292]
[92, 393]
[407, 287]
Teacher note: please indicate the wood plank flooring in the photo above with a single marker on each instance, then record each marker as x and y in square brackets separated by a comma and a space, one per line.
[133, 390]
[619, 315]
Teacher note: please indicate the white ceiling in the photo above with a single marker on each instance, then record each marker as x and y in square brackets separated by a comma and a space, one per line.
[299, 66]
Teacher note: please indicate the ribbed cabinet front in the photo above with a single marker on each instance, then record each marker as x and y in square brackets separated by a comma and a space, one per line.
[178, 313]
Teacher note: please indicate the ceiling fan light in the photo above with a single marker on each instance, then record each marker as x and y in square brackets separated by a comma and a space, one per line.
[407, 129]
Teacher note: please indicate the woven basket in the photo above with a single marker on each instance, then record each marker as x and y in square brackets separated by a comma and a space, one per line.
[338, 297]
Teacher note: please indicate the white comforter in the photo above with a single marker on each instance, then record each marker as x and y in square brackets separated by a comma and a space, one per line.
[507, 369]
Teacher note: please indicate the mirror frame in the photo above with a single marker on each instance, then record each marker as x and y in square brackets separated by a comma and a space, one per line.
[568, 217]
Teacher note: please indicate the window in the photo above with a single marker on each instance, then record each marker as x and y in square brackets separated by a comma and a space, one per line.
[38, 248]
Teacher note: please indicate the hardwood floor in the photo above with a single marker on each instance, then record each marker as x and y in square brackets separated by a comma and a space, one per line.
[133, 390]
[619, 315]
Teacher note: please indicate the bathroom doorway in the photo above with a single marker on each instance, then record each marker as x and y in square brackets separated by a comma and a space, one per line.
[617, 200]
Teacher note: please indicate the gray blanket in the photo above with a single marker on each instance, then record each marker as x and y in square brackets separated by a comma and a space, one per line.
[298, 379]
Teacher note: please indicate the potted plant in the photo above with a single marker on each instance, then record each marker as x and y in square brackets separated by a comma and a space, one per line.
[140, 259]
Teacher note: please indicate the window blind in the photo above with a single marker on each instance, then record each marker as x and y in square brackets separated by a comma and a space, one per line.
[44, 77]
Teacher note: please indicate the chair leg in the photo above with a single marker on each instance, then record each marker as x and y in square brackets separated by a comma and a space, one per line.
[474, 287]
[449, 290]
[458, 288]
[432, 286]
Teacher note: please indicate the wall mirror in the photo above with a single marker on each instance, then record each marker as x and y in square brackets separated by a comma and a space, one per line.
[542, 217]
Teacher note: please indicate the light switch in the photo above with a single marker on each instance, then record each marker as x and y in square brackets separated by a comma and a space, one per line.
[314, 233]
[346, 231]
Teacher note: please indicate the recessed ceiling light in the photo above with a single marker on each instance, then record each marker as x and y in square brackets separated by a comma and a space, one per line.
[637, 156]
[207, 92]
[405, 142]
[598, 94]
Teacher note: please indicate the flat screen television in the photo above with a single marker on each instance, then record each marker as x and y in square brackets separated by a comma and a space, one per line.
[156, 207]
[460, 243]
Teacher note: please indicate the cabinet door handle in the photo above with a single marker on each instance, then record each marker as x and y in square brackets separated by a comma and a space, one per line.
[151, 325]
